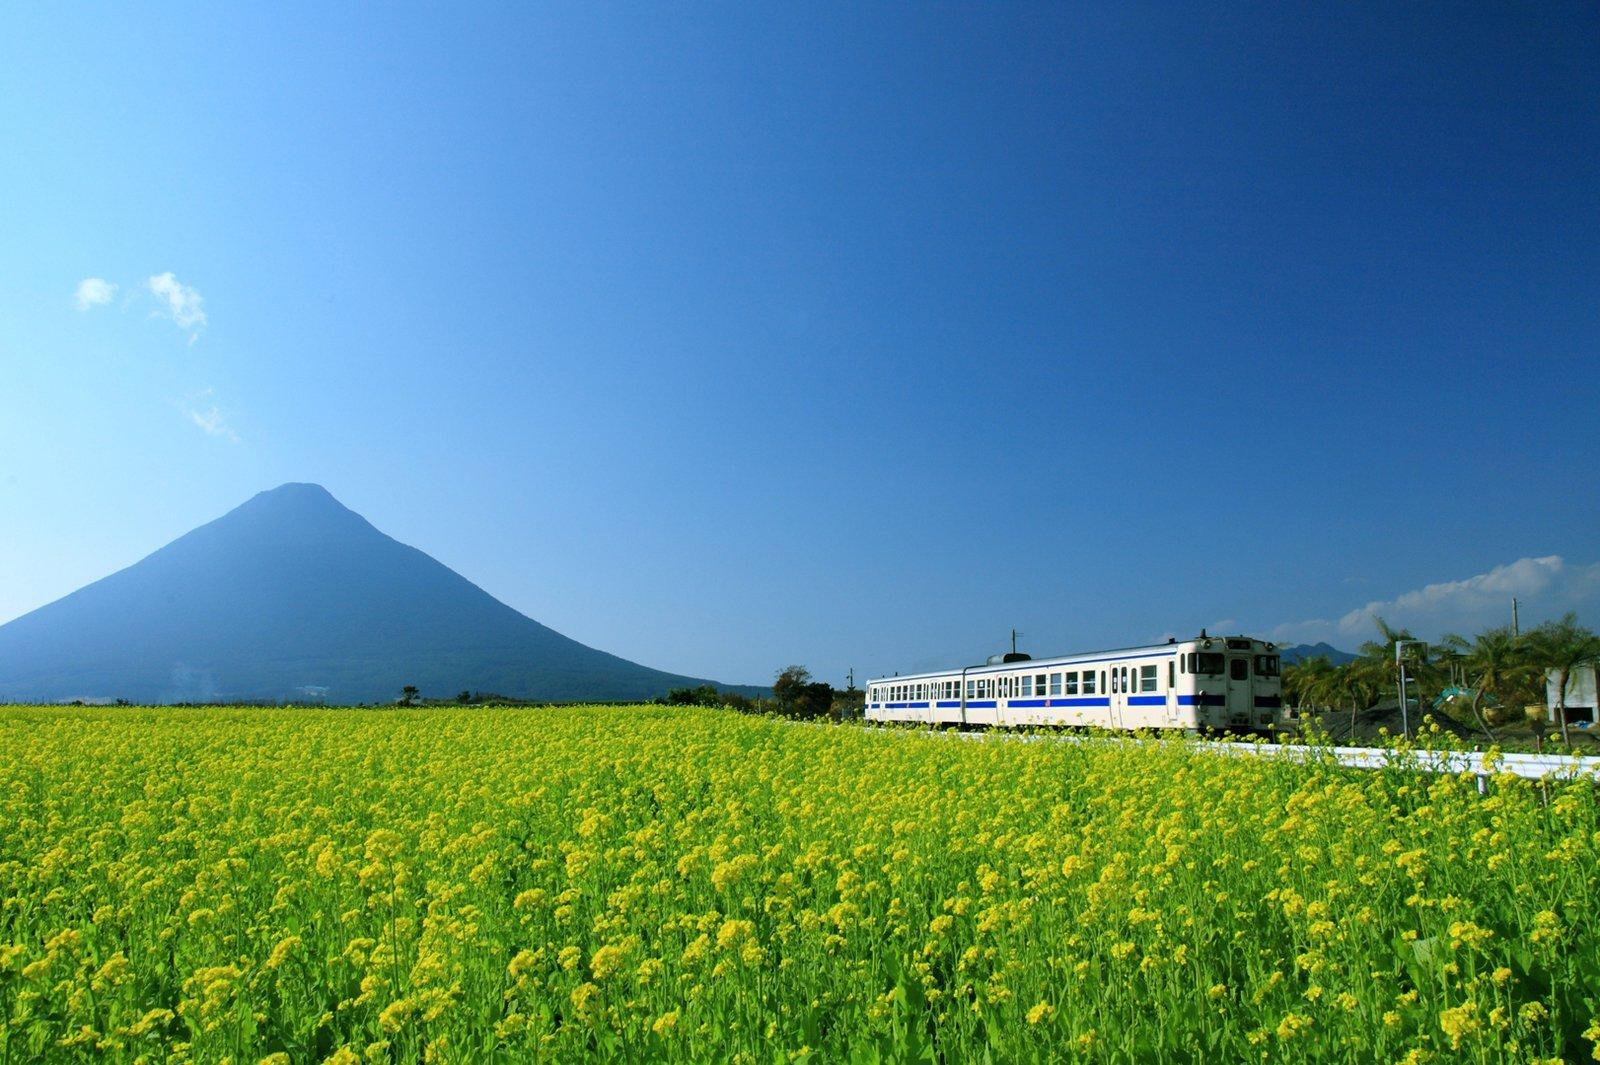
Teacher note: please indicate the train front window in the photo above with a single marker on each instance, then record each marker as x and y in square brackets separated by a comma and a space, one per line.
[1208, 663]
[1266, 665]
[1239, 668]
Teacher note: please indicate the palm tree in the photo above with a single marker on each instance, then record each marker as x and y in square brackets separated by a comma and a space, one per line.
[1562, 647]
[1306, 682]
[1378, 664]
[1357, 683]
[1495, 661]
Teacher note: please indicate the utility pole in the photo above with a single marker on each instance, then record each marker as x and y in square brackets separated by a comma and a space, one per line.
[1014, 635]
[851, 676]
[1516, 629]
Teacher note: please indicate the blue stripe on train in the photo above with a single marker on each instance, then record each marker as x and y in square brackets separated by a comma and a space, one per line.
[1202, 700]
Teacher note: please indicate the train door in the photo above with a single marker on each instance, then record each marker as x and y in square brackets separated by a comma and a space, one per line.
[1241, 695]
[1172, 691]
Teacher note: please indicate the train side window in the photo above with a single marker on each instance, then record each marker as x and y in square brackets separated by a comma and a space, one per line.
[1055, 684]
[1172, 675]
[1088, 683]
[1239, 668]
[1027, 685]
[1147, 678]
[1103, 680]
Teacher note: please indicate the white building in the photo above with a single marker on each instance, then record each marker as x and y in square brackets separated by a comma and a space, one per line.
[1581, 699]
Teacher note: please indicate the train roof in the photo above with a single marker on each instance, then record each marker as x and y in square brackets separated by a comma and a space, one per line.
[1112, 655]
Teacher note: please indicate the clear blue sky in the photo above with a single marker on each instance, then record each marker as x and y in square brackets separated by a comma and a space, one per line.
[733, 336]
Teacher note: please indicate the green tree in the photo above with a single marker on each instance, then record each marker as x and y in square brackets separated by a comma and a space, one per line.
[1377, 664]
[1496, 663]
[408, 695]
[1310, 682]
[798, 696]
[1358, 684]
[1562, 647]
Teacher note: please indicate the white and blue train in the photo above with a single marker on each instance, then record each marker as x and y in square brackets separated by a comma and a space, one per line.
[1209, 683]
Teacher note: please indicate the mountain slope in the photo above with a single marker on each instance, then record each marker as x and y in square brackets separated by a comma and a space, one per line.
[289, 594]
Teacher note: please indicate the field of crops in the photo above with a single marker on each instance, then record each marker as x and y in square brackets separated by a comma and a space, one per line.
[658, 884]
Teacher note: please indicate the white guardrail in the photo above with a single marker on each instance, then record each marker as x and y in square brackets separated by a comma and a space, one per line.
[1527, 766]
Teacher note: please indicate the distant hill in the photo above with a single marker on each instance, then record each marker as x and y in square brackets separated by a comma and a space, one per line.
[293, 596]
[1301, 651]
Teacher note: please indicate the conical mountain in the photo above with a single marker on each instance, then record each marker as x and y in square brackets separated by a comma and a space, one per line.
[294, 596]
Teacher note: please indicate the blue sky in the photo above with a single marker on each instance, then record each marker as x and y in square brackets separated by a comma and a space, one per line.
[742, 335]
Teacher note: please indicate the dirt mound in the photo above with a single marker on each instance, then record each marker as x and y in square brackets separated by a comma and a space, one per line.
[1369, 723]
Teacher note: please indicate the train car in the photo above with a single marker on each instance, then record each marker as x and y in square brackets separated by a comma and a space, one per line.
[1209, 683]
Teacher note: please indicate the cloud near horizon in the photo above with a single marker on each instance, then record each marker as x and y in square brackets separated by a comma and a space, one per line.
[1547, 587]
[93, 292]
[184, 305]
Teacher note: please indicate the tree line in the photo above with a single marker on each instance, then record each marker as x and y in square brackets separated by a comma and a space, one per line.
[795, 694]
[1483, 681]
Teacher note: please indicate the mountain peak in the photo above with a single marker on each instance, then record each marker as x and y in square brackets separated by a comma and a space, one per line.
[297, 505]
[295, 494]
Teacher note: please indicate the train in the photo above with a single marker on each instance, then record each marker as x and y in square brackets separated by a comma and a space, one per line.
[1205, 684]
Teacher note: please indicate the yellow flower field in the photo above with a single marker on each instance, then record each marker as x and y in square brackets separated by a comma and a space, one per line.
[663, 884]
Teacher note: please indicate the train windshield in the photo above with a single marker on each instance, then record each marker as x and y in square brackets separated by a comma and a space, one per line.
[1266, 665]
[1208, 663]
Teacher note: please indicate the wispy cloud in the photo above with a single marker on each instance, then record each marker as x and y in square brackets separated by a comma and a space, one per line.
[183, 304]
[1548, 586]
[94, 292]
[208, 417]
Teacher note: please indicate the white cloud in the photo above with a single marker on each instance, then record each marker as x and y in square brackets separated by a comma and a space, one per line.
[1547, 587]
[94, 292]
[183, 304]
[208, 417]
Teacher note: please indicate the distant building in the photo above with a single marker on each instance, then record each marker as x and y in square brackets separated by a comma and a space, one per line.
[1581, 697]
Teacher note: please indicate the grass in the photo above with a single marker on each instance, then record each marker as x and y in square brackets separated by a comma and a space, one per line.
[653, 884]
